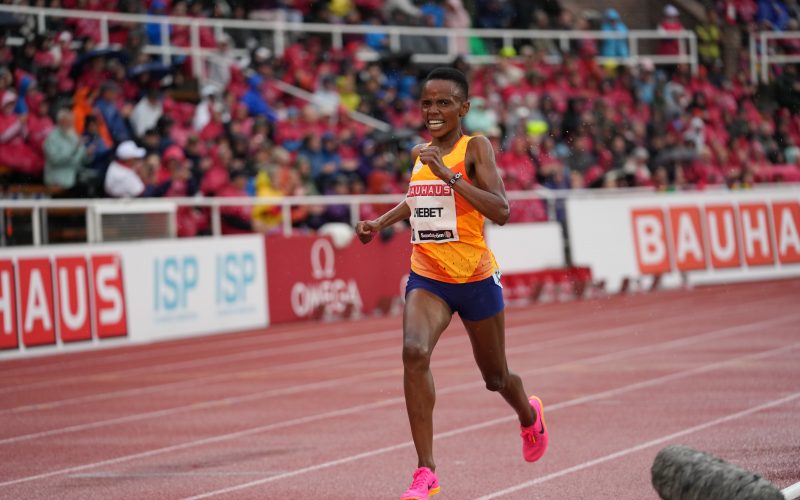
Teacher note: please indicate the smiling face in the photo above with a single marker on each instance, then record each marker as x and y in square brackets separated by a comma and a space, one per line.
[443, 104]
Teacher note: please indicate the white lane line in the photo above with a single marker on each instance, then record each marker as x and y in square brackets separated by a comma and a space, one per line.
[326, 361]
[151, 475]
[645, 445]
[208, 343]
[356, 409]
[358, 378]
[791, 492]
[496, 421]
[214, 360]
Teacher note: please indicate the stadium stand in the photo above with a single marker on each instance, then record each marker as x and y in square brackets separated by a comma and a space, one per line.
[72, 96]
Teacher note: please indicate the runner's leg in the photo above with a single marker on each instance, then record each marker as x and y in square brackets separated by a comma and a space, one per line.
[489, 347]
[424, 319]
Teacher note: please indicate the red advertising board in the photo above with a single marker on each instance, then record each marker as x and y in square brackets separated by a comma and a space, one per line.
[66, 298]
[73, 299]
[36, 301]
[110, 317]
[755, 234]
[308, 274]
[8, 306]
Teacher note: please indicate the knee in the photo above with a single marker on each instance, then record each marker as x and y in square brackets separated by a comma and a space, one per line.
[495, 382]
[415, 355]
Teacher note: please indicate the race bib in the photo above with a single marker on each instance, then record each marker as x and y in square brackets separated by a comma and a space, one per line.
[433, 212]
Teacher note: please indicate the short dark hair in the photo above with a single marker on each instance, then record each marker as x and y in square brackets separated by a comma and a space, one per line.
[452, 75]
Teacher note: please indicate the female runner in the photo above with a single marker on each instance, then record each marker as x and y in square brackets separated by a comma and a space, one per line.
[454, 186]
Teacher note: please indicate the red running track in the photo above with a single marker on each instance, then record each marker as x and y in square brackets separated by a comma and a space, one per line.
[316, 410]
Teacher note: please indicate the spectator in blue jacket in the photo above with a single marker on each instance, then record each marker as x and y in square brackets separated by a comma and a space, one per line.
[773, 14]
[614, 47]
[107, 105]
[255, 102]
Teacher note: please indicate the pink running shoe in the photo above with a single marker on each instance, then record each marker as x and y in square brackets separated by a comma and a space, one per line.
[534, 438]
[424, 485]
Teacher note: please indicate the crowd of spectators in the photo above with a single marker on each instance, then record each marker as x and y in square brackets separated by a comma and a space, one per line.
[94, 121]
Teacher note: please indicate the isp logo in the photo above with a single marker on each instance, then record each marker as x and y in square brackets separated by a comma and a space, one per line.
[175, 283]
[235, 277]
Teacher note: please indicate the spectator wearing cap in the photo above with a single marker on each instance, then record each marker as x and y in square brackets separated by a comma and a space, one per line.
[123, 178]
[106, 104]
[614, 47]
[15, 151]
[670, 24]
[147, 111]
[65, 155]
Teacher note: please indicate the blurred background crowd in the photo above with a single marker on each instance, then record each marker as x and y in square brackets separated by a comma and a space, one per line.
[80, 119]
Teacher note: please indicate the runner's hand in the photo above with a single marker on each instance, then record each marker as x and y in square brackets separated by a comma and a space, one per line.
[432, 157]
[366, 229]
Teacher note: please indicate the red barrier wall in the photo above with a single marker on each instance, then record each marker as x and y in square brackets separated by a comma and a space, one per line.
[308, 277]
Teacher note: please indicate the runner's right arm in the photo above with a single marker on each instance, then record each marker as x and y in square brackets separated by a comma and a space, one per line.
[366, 229]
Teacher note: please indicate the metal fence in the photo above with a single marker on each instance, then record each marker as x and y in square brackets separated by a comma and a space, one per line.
[103, 220]
[763, 53]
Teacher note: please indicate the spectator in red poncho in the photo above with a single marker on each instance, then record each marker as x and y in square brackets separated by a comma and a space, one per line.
[517, 166]
[671, 23]
[67, 58]
[85, 27]
[39, 122]
[44, 58]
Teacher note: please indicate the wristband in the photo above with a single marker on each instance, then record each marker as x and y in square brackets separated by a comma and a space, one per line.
[454, 179]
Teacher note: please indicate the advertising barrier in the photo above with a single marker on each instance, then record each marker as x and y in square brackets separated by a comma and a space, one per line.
[205, 285]
[527, 247]
[688, 238]
[308, 277]
[142, 291]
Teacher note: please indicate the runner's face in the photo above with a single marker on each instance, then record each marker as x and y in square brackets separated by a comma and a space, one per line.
[443, 105]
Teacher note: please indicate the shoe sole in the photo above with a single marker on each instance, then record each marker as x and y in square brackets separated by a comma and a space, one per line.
[430, 494]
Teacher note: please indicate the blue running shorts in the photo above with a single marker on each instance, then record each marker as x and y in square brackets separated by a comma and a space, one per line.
[472, 301]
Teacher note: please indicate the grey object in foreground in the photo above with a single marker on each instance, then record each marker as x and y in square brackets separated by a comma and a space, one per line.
[681, 473]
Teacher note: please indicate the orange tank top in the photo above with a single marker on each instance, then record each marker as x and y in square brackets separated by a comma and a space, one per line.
[446, 230]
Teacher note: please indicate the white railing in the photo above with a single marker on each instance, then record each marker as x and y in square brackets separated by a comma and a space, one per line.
[281, 29]
[762, 55]
[37, 209]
